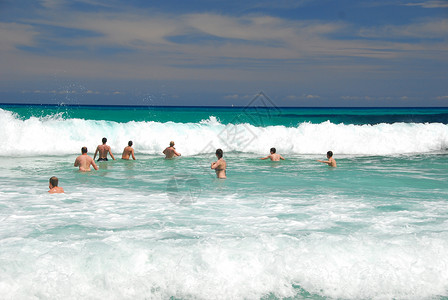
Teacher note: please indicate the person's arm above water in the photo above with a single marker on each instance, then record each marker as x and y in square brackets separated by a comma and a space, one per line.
[132, 153]
[176, 153]
[92, 162]
[269, 156]
[96, 151]
[281, 157]
[215, 165]
[76, 162]
[111, 155]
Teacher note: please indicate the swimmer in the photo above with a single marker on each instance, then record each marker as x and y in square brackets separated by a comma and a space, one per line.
[84, 161]
[103, 150]
[273, 156]
[331, 162]
[220, 165]
[53, 185]
[128, 151]
[170, 151]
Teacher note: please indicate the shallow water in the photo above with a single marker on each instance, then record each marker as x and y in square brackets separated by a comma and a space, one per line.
[375, 227]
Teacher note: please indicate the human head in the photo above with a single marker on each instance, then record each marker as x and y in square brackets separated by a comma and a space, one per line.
[329, 154]
[273, 150]
[104, 140]
[54, 182]
[130, 143]
[84, 150]
[171, 143]
[219, 153]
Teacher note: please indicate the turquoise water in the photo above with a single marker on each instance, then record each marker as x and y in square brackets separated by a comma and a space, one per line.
[375, 227]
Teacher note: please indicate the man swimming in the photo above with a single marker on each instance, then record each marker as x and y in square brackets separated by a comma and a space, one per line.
[331, 162]
[220, 165]
[84, 161]
[170, 151]
[53, 185]
[273, 156]
[103, 150]
[128, 151]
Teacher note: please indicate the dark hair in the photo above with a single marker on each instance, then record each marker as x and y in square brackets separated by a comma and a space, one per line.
[330, 153]
[273, 150]
[54, 181]
[84, 150]
[130, 143]
[219, 153]
[104, 140]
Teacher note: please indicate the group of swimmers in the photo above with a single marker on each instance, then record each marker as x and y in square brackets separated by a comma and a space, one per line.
[84, 161]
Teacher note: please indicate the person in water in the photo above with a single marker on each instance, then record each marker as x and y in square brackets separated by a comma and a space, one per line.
[274, 156]
[84, 161]
[331, 162]
[103, 150]
[53, 185]
[220, 165]
[170, 151]
[128, 151]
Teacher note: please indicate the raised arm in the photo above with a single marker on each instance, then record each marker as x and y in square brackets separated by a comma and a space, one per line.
[215, 165]
[324, 161]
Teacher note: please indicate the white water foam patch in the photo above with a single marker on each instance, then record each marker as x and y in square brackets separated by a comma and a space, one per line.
[58, 136]
[117, 267]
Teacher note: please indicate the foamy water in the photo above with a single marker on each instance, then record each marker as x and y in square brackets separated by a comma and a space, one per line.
[55, 135]
[376, 227]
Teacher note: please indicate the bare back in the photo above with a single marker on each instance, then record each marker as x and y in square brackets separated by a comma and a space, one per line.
[103, 150]
[127, 152]
[84, 161]
[275, 157]
[170, 152]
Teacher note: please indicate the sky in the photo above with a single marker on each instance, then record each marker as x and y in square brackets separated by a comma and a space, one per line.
[303, 53]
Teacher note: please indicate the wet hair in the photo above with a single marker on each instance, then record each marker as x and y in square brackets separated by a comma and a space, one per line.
[273, 150]
[84, 150]
[104, 140]
[330, 153]
[130, 143]
[171, 143]
[54, 181]
[219, 153]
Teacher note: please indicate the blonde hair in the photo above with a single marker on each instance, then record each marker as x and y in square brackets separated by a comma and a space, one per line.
[171, 143]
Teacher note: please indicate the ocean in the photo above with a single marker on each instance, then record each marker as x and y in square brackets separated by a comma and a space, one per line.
[375, 227]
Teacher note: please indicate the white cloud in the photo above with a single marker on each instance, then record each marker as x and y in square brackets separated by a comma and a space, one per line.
[429, 4]
[233, 97]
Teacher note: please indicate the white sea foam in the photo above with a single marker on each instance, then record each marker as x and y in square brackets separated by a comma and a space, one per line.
[58, 136]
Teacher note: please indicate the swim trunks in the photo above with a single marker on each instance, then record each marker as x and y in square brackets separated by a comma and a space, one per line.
[102, 159]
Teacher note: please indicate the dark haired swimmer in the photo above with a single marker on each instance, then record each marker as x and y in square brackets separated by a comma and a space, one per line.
[220, 165]
[128, 151]
[274, 156]
[103, 150]
[53, 185]
[84, 161]
[331, 162]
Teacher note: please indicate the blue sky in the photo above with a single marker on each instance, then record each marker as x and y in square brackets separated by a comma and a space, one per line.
[299, 53]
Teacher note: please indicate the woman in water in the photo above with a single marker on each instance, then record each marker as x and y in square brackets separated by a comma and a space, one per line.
[220, 165]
